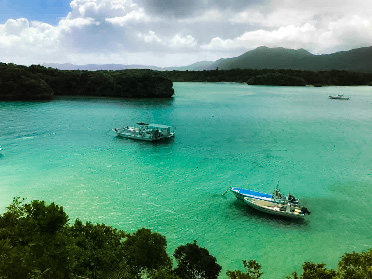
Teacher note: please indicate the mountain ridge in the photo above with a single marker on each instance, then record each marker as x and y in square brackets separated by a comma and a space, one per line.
[358, 60]
[355, 60]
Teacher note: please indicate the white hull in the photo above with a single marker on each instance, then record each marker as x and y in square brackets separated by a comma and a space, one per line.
[339, 97]
[289, 211]
[146, 132]
[145, 137]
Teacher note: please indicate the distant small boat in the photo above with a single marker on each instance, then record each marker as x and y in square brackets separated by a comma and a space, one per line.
[275, 203]
[146, 132]
[339, 97]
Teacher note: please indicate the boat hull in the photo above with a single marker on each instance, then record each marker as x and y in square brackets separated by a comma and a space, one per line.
[288, 211]
[145, 132]
[144, 138]
[339, 98]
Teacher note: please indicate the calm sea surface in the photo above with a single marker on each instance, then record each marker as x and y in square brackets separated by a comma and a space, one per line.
[226, 135]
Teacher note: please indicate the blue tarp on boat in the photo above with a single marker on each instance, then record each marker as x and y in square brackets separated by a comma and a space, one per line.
[246, 192]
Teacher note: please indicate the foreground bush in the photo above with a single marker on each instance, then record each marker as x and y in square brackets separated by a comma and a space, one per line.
[36, 241]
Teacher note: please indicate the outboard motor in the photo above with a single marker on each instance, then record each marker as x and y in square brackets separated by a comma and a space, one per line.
[304, 210]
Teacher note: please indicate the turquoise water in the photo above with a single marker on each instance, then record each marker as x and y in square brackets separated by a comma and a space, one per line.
[226, 135]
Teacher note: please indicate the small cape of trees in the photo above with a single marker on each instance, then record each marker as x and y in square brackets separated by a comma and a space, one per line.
[40, 83]
[37, 242]
[274, 77]
[277, 79]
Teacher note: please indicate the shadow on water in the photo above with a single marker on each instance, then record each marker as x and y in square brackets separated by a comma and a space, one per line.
[261, 217]
[126, 102]
[145, 103]
[144, 142]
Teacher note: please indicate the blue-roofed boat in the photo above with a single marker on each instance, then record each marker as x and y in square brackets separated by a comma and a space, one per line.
[241, 193]
[275, 203]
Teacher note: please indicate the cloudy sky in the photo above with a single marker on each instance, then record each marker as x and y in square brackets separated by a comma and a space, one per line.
[175, 32]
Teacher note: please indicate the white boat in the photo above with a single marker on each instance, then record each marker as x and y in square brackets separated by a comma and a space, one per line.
[281, 209]
[275, 203]
[147, 132]
[339, 97]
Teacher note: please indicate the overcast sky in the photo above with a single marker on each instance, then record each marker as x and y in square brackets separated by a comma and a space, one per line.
[175, 32]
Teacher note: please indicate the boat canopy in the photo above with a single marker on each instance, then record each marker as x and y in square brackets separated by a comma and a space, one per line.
[246, 192]
[159, 126]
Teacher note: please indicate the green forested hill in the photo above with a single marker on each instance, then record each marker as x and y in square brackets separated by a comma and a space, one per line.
[41, 83]
[357, 60]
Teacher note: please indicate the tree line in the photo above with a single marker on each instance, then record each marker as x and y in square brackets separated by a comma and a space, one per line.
[274, 77]
[37, 242]
[40, 83]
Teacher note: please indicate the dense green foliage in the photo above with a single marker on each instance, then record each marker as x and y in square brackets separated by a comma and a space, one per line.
[252, 271]
[145, 251]
[94, 250]
[37, 82]
[312, 270]
[19, 83]
[195, 262]
[351, 266]
[36, 241]
[355, 265]
[277, 79]
[273, 77]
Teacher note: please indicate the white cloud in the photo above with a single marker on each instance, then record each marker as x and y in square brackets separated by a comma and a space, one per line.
[119, 31]
[343, 34]
[68, 24]
[288, 36]
[181, 42]
[151, 37]
[15, 27]
[133, 16]
[101, 9]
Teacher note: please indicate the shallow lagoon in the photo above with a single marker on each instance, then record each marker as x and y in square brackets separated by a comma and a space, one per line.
[226, 135]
